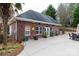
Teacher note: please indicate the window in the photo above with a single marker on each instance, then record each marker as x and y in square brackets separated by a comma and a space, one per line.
[39, 30]
[13, 29]
[27, 30]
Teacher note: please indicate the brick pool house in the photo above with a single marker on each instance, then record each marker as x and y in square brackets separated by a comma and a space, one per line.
[32, 23]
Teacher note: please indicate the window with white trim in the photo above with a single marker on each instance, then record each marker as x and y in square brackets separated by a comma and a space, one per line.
[27, 30]
[39, 30]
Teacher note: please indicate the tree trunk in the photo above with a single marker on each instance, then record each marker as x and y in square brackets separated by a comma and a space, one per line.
[5, 33]
[63, 25]
[5, 28]
[5, 17]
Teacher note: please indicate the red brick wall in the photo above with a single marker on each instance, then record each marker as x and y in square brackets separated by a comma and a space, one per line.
[21, 28]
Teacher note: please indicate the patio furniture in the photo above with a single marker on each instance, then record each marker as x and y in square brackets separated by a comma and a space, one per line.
[25, 38]
[74, 36]
[35, 37]
[78, 37]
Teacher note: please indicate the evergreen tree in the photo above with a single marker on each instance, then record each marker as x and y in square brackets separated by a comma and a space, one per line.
[50, 11]
[75, 16]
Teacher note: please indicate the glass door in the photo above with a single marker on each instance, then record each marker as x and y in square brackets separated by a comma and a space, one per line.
[47, 30]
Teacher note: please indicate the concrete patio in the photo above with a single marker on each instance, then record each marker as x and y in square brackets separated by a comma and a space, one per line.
[53, 46]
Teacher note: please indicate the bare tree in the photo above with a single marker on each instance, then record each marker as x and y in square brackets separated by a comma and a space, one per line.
[62, 14]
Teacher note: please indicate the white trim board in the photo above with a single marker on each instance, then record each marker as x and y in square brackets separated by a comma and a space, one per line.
[30, 20]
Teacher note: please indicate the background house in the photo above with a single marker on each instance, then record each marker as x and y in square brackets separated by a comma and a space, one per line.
[32, 23]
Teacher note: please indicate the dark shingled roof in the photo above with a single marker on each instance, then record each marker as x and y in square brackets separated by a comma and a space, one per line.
[30, 14]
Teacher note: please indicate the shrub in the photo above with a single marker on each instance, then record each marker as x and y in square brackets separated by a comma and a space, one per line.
[51, 34]
[45, 35]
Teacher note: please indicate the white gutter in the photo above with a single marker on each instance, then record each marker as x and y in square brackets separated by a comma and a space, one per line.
[30, 20]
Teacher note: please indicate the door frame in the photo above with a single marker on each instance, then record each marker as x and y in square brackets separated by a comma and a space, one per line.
[47, 29]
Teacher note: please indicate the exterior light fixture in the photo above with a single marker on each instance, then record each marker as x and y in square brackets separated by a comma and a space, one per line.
[33, 28]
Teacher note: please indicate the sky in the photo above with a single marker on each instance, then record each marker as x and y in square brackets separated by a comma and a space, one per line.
[38, 5]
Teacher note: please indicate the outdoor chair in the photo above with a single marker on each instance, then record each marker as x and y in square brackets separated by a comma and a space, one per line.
[78, 37]
[74, 36]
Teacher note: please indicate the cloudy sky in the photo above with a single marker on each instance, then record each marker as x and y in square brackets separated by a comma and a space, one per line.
[38, 5]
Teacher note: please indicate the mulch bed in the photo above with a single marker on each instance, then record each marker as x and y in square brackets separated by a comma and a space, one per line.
[14, 52]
